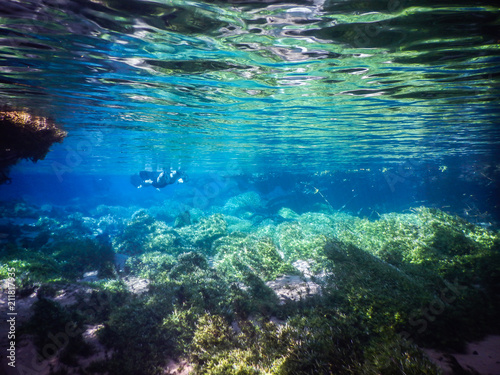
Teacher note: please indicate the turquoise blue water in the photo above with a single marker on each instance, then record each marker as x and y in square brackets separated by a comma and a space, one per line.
[341, 174]
[242, 87]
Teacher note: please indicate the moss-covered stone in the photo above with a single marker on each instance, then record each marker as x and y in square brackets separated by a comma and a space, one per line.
[431, 240]
[297, 241]
[150, 265]
[204, 233]
[259, 254]
[145, 234]
[287, 213]
[249, 201]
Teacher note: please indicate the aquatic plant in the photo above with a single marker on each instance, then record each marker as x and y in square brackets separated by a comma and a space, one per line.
[140, 342]
[150, 265]
[431, 240]
[258, 254]
[167, 211]
[399, 299]
[58, 260]
[212, 305]
[381, 296]
[79, 255]
[182, 220]
[161, 323]
[249, 201]
[145, 234]
[202, 234]
[297, 241]
[287, 213]
[394, 355]
[303, 345]
[236, 224]
[49, 324]
[32, 268]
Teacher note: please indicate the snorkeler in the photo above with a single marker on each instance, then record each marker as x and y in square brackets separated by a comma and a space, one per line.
[158, 179]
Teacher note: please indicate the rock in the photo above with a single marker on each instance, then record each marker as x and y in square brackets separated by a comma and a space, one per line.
[205, 232]
[293, 288]
[24, 136]
[182, 220]
[249, 201]
[287, 213]
[90, 277]
[136, 285]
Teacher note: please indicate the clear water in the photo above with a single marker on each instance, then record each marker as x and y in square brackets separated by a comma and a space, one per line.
[242, 87]
[351, 113]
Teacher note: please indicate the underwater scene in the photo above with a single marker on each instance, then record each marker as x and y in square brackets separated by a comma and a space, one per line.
[250, 187]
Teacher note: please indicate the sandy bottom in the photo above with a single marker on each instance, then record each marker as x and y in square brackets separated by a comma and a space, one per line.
[483, 357]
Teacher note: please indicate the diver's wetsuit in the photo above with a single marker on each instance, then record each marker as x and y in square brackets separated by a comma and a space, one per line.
[157, 179]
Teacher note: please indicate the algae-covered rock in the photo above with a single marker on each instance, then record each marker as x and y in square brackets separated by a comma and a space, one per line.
[236, 224]
[259, 254]
[297, 241]
[182, 220]
[381, 295]
[151, 264]
[188, 263]
[320, 223]
[109, 224]
[287, 213]
[203, 233]
[304, 345]
[77, 255]
[249, 201]
[60, 259]
[145, 234]
[293, 288]
[431, 240]
[414, 301]
[168, 210]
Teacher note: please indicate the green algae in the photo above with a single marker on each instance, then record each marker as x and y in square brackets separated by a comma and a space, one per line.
[204, 232]
[303, 345]
[150, 265]
[243, 203]
[56, 328]
[260, 255]
[431, 239]
[385, 285]
[57, 261]
[145, 234]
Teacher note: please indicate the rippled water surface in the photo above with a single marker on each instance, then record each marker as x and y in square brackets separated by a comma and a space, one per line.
[301, 86]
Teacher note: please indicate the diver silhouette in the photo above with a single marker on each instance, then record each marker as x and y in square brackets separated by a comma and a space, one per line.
[158, 179]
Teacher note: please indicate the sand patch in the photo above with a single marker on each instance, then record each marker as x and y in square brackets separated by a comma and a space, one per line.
[481, 356]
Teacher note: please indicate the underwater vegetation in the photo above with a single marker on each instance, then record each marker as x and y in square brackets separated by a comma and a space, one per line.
[24, 136]
[319, 293]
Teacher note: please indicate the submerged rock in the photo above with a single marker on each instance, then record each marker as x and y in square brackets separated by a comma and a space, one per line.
[182, 220]
[24, 136]
[293, 288]
[136, 285]
[205, 232]
[249, 201]
[287, 213]
[145, 234]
